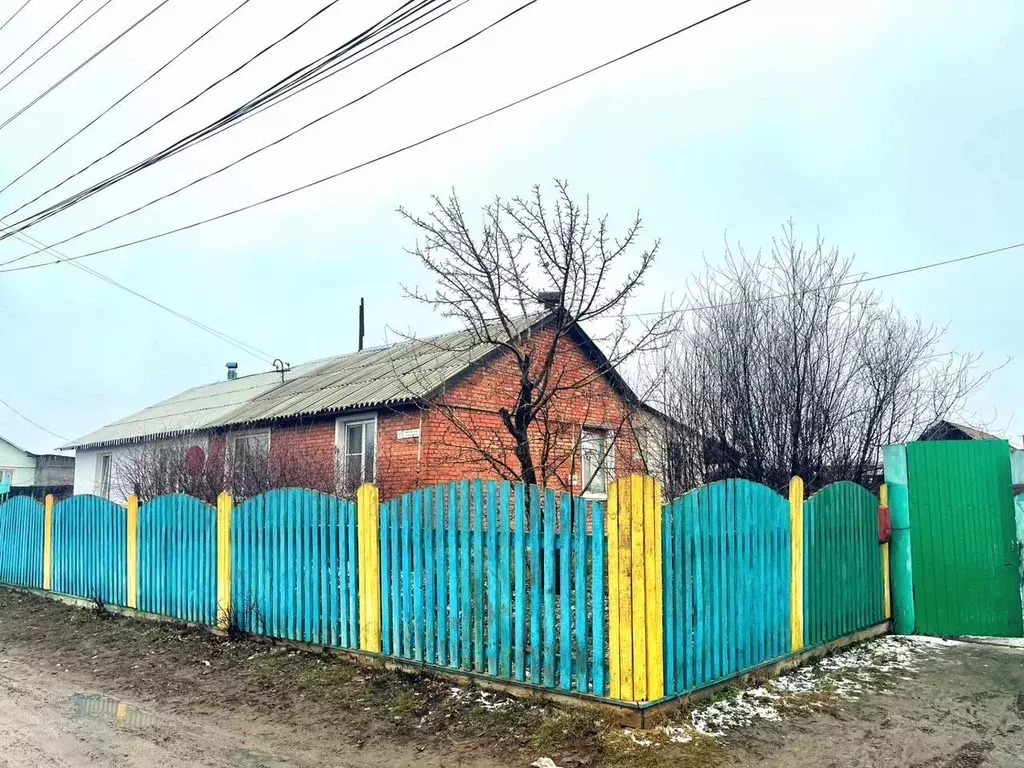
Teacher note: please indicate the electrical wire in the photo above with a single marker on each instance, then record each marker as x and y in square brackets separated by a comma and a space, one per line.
[44, 34]
[332, 60]
[293, 133]
[35, 424]
[325, 75]
[844, 284]
[77, 69]
[14, 15]
[394, 152]
[88, 125]
[237, 343]
[68, 34]
[177, 109]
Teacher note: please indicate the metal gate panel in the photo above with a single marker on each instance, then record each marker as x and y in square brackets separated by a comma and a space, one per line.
[963, 539]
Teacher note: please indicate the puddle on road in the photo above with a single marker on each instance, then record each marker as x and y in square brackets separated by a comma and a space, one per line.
[98, 705]
[122, 714]
[251, 758]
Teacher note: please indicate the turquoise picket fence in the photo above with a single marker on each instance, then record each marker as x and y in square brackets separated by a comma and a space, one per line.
[495, 578]
[295, 567]
[489, 578]
[90, 549]
[178, 558]
[21, 536]
[726, 575]
[844, 590]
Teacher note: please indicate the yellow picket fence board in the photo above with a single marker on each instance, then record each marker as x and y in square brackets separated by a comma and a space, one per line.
[368, 518]
[635, 590]
[132, 551]
[224, 506]
[48, 542]
[796, 519]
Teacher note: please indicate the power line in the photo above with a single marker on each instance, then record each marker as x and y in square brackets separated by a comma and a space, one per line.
[35, 424]
[237, 343]
[43, 55]
[289, 135]
[85, 63]
[44, 34]
[13, 15]
[276, 100]
[125, 96]
[843, 284]
[394, 152]
[333, 60]
[177, 109]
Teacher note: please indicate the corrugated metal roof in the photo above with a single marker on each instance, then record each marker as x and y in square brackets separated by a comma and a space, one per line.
[380, 376]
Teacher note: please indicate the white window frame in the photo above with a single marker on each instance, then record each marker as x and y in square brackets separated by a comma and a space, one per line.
[341, 425]
[246, 435]
[242, 435]
[8, 471]
[609, 460]
[104, 474]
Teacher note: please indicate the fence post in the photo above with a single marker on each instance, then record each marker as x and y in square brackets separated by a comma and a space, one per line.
[635, 589]
[901, 572]
[368, 533]
[796, 562]
[48, 542]
[883, 500]
[133, 551]
[224, 505]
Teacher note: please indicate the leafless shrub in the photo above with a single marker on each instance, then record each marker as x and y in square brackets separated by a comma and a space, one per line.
[154, 469]
[787, 365]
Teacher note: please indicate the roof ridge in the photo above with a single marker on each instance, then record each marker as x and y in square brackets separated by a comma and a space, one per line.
[393, 373]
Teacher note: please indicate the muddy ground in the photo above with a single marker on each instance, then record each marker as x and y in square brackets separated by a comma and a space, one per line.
[84, 688]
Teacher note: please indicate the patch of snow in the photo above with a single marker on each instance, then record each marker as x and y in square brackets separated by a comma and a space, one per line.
[801, 680]
[677, 734]
[927, 640]
[640, 741]
[543, 762]
[845, 675]
[488, 701]
[742, 710]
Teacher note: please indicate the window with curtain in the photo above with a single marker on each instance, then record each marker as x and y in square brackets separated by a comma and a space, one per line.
[597, 451]
[356, 442]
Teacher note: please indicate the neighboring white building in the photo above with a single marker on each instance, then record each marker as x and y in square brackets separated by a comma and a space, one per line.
[35, 474]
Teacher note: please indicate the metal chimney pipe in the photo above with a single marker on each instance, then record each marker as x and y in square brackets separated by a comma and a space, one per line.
[362, 323]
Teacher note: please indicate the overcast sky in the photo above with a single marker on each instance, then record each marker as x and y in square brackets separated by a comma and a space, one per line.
[894, 128]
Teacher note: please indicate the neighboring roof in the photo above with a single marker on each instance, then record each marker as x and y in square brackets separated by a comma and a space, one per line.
[32, 454]
[392, 375]
[941, 430]
[15, 446]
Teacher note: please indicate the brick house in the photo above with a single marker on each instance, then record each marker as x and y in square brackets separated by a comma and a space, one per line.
[403, 416]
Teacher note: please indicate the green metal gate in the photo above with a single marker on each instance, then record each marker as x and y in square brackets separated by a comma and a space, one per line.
[963, 539]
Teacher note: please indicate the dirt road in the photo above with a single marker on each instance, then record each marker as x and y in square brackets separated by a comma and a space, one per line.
[79, 688]
[44, 721]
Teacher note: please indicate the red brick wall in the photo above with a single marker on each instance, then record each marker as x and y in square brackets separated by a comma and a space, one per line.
[445, 452]
[303, 455]
[465, 424]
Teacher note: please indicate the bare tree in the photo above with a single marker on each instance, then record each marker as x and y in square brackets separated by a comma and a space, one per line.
[532, 258]
[178, 465]
[788, 365]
